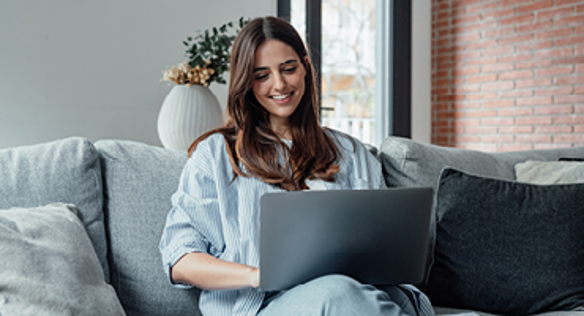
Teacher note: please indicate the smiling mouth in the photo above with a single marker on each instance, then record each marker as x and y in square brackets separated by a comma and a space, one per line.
[282, 97]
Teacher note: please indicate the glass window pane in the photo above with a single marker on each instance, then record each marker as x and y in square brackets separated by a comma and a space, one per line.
[348, 63]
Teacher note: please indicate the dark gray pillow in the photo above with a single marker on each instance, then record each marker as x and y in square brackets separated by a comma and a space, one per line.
[139, 180]
[67, 171]
[506, 247]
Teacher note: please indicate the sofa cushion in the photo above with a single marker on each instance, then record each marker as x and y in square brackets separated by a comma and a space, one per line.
[507, 247]
[65, 171]
[48, 265]
[550, 172]
[410, 163]
[139, 180]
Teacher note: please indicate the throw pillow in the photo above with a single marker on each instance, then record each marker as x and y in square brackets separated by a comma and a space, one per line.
[48, 265]
[506, 247]
[550, 172]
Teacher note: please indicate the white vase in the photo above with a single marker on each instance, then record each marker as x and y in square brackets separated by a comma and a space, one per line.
[186, 113]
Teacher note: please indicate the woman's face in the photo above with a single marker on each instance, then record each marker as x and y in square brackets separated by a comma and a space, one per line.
[278, 81]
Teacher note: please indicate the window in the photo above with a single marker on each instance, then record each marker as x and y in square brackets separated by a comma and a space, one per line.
[352, 43]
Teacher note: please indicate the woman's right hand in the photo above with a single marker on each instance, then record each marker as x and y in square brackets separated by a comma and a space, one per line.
[207, 272]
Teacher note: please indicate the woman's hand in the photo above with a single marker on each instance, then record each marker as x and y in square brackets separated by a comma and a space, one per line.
[207, 272]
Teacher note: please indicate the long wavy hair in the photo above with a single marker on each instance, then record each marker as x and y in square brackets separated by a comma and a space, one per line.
[250, 141]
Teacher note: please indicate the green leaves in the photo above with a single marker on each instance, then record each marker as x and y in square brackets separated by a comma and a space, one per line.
[212, 49]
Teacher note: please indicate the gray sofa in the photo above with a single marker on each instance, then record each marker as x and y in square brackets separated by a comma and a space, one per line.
[121, 192]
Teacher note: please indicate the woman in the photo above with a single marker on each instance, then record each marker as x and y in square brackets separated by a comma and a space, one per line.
[271, 142]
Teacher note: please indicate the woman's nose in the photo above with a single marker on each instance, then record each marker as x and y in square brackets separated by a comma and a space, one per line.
[279, 82]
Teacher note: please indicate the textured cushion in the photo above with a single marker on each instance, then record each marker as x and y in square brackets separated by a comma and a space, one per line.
[550, 172]
[507, 247]
[139, 180]
[65, 171]
[48, 265]
[409, 163]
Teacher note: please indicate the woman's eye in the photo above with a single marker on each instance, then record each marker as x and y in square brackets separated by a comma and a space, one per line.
[261, 77]
[289, 70]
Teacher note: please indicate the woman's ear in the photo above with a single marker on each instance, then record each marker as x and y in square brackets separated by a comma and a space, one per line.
[306, 60]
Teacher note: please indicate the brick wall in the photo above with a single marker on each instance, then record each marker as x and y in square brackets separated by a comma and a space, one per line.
[508, 74]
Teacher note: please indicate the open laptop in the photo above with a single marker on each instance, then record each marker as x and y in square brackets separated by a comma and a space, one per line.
[378, 237]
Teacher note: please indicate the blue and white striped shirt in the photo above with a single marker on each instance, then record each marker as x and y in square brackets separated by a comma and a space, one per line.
[210, 214]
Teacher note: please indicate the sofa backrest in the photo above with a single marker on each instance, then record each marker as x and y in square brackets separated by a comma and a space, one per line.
[410, 163]
[66, 171]
[139, 180]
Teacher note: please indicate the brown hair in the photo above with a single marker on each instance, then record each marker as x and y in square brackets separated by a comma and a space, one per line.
[250, 140]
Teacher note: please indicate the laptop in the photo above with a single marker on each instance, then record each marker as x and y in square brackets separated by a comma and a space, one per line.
[377, 237]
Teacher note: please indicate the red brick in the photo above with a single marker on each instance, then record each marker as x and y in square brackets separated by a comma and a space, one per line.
[516, 93]
[481, 113]
[500, 50]
[498, 103]
[514, 147]
[534, 101]
[463, 71]
[553, 129]
[464, 138]
[563, 2]
[503, 85]
[572, 60]
[542, 110]
[516, 39]
[483, 78]
[580, 8]
[554, 13]
[534, 6]
[541, 82]
[579, 108]
[516, 75]
[572, 119]
[465, 105]
[518, 19]
[534, 138]
[466, 19]
[534, 46]
[558, 99]
[481, 130]
[554, 71]
[482, 61]
[554, 53]
[569, 138]
[516, 129]
[501, 138]
[466, 88]
[498, 122]
[570, 80]
[516, 112]
[579, 90]
[482, 8]
[501, 31]
[481, 44]
[484, 26]
[515, 58]
[461, 55]
[580, 29]
[549, 146]
[554, 33]
[535, 64]
[534, 120]
[481, 96]
[574, 40]
[555, 91]
[534, 26]
[504, 3]
[497, 67]
[577, 19]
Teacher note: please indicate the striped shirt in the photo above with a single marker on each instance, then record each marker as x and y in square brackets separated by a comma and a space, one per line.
[212, 214]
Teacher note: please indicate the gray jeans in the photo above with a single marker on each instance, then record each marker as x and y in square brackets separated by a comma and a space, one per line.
[338, 295]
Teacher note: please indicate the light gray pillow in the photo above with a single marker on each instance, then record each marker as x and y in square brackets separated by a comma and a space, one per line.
[48, 265]
[550, 172]
[65, 170]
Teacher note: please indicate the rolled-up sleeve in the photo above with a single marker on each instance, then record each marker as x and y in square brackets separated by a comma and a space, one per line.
[194, 222]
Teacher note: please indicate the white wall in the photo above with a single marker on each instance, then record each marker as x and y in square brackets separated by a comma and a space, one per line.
[421, 70]
[93, 68]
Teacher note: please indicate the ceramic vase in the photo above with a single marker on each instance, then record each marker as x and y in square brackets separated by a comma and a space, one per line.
[186, 113]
